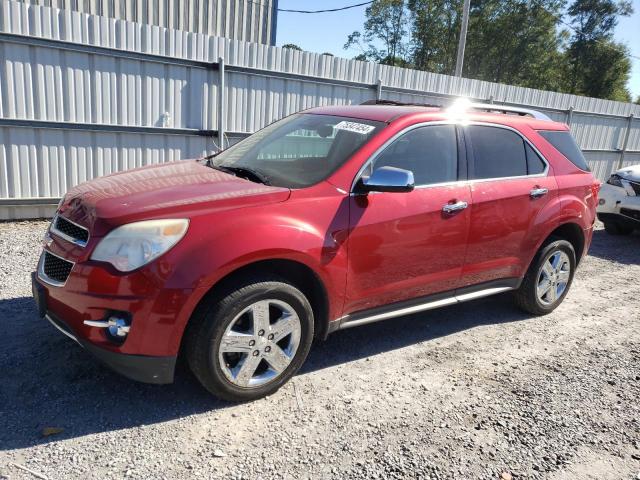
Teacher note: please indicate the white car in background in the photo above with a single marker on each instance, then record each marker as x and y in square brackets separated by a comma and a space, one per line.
[619, 201]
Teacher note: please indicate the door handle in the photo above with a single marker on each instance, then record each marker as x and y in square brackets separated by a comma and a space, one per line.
[538, 192]
[451, 208]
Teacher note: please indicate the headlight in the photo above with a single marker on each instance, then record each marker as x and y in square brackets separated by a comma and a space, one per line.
[133, 245]
[615, 181]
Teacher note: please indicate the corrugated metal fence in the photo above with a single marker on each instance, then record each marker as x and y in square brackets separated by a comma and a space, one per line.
[84, 95]
[248, 20]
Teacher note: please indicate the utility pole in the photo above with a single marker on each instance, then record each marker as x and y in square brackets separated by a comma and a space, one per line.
[463, 37]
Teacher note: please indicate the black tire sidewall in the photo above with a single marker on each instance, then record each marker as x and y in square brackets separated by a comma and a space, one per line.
[226, 310]
[545, 252]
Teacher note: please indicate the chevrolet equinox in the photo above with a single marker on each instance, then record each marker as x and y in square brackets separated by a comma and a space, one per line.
[328, 219]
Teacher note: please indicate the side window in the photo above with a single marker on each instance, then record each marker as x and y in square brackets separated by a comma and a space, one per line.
[497, 152]
[535, 164]
[430, 152]
[566, 145]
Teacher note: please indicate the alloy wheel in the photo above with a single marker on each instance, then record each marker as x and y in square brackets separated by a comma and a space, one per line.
[553, 277]
[260, 343]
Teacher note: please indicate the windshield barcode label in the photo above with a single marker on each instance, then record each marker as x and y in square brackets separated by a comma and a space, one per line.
[354, 127]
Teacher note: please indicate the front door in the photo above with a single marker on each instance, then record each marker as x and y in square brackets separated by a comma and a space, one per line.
[403, 245]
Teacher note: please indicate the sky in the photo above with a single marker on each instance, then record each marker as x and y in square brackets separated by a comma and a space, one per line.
[327, 32]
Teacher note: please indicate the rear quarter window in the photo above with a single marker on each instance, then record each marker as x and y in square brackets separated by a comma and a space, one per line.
[566, 145]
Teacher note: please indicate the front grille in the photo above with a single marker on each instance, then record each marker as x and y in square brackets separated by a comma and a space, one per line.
[636, 187]
[69, 230]
[56, 268]
[627, 212]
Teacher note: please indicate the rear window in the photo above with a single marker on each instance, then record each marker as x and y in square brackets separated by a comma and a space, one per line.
[566, 145]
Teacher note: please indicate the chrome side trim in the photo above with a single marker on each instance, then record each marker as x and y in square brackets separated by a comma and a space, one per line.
[43, 276]
[344, 323]
[52, 322]
[53, 229]
[463, 124]
[465, 297]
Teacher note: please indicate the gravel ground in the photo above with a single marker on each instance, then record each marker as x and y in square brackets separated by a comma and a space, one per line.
[478, 390]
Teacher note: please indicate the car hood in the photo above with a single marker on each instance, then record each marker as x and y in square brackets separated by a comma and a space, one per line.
[183, 188]
[630, 173]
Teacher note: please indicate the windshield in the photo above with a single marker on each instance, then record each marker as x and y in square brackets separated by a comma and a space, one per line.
[299, 150]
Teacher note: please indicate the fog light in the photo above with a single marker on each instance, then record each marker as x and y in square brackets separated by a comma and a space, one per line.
[602, 201]
[117, 326]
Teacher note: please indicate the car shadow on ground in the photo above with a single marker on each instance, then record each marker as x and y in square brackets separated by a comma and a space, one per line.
[617, 248]
[49, 381]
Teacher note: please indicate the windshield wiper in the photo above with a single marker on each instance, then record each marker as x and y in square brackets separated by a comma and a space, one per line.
[246, 172]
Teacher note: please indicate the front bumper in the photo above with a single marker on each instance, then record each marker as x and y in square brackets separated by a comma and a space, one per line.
[142, 368]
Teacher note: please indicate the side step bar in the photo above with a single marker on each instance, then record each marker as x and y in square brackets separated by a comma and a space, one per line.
[349, 321]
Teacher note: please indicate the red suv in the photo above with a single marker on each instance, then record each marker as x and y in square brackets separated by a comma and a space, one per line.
[327, 219]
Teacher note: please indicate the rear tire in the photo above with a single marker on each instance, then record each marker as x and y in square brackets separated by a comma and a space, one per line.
[614, 228]
[245, 342]
[548, 278]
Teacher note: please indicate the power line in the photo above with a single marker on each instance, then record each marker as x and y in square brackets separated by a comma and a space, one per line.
[339, 9]
[289, 10]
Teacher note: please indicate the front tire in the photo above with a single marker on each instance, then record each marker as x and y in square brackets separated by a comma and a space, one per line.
[548, 279]
[249, 340]
[614, 228]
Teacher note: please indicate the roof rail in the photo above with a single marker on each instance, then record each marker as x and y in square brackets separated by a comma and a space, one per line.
[482, 107]
[400, 104]
[524, 112]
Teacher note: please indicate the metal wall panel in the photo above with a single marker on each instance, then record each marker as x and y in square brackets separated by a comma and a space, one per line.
[85, 95]
[42, 162]
[247, 20]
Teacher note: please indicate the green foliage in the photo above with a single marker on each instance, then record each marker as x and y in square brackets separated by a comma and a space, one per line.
[435, 26]
[383, 38]
[517, 42]
[292, 46]
[595, 65]
[514, 42]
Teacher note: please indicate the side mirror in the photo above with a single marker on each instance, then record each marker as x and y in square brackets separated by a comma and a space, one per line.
[386, 179]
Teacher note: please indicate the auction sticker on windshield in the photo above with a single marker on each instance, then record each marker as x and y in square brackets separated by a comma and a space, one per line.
[354, 127]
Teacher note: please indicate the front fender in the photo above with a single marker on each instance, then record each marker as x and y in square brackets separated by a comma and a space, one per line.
[218, 245]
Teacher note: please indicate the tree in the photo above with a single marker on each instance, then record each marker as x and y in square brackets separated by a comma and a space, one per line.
[435, 26]
[292, 46]
[597, 66]
[515, 42]
[384, 31]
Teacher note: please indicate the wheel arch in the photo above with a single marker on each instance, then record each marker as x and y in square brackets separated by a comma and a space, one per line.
[573, 233]
[297, 273]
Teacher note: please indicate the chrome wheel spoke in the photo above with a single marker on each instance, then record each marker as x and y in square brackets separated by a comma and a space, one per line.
[260, 316]
[246, 369]
[563, 276]
[277, 359]
[236, 342]
[548, 269]
[284, 326]
[543, 287]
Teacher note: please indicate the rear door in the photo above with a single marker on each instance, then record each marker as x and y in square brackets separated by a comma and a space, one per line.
[510, 187]
[402, 245]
